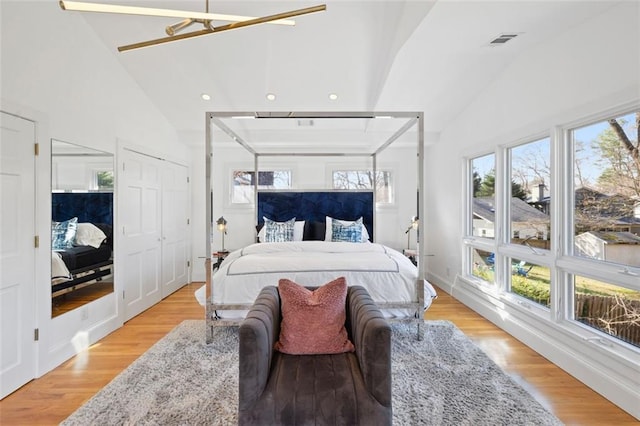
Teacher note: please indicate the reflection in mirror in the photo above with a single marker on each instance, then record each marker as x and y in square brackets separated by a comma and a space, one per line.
[82, 187]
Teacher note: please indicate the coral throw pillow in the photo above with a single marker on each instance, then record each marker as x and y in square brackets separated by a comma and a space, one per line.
[313, 321]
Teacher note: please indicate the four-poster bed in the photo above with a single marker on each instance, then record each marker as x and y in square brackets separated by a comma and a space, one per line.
[396, 284]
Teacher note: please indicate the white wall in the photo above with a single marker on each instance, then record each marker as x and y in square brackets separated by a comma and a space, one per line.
[69, 173]
[589, 68]
[56, 71]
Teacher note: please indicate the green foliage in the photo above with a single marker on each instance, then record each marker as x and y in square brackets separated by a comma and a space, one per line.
[531, 289]
[486, 187]
[518, 191]
[105, 180]
[477, 180]
[485, 274]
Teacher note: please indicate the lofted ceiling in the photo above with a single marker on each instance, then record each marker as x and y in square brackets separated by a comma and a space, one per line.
[394, 55]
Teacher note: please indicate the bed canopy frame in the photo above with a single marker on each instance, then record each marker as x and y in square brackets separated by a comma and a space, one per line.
[235, 128]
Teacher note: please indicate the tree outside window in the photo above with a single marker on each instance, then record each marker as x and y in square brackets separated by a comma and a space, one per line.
[242, 191]
[483, 210]
[607, 190]
[531, 198]
[104, 180]
[364, 179]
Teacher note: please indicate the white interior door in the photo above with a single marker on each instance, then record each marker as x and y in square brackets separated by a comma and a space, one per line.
[140, 233]
[17, 253]
[175, 227]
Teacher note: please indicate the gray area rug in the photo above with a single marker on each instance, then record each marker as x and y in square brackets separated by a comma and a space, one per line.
[444, 379]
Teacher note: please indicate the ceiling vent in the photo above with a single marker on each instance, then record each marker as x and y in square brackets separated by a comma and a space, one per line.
[503, 38]
[305, 123]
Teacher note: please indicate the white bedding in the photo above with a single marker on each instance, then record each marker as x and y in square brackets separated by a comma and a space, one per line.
[59, 271]
[387, 274]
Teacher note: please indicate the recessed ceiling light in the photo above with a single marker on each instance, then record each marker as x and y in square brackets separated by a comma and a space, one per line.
[333, 96]
[205, 97]
[271, 97]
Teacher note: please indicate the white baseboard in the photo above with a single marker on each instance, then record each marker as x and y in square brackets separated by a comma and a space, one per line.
[65, 350]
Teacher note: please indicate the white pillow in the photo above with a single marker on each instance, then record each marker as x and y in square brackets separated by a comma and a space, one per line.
[298, 231]
[329, 228]
[88, 234]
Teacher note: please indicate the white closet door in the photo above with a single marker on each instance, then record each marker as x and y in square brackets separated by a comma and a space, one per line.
[175, 227]
[17, 253]
[140, 181]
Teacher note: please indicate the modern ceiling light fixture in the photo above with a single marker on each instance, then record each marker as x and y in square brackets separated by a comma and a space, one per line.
[173, 29]
[189, 18]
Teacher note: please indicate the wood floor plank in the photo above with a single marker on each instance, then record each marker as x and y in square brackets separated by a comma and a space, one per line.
[51, 398]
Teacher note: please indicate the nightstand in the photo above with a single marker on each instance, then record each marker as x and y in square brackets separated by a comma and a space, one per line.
[219, 256]
[412, 255]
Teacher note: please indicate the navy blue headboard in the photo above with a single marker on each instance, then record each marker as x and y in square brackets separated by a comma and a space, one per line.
[313, 206]
[94, 207]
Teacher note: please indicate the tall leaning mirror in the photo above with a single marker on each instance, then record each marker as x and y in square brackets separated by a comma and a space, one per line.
[82, 190]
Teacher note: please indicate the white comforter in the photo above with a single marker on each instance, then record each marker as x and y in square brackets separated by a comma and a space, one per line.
[388, 275]
[59, 271]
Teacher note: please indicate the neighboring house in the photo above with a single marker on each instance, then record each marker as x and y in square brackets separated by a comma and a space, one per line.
[601, 212]
[618, 247]
[540, 199]
[526, 221]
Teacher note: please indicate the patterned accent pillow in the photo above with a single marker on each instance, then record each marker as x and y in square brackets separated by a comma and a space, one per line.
[329, 228]
[298, 231]
[277, 232]
[351, 233]
[63, 234]
[313, 321]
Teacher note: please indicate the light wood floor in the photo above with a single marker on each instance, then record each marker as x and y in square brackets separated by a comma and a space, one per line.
[72, 300]
[51, 398]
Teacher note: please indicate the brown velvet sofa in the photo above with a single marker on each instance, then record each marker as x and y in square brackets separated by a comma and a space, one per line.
[351, 388]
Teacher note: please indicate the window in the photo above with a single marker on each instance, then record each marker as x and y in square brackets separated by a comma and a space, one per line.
[606, 189]
[104, 180]
[363, 179]
[590, 283]
[530, 195]
[484, 181]
[531, 281]
[609, 308]
[243, 183]
[606, 226]
[483, 265]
